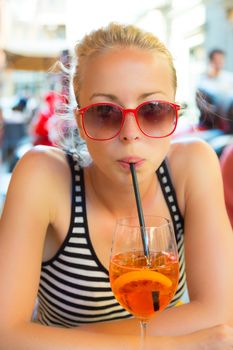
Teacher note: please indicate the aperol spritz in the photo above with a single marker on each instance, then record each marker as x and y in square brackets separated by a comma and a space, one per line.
[144, 284]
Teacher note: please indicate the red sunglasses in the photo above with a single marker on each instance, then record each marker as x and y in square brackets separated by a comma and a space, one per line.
[103, 121]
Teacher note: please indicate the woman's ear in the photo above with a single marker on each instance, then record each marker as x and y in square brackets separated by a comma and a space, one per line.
[78, 119]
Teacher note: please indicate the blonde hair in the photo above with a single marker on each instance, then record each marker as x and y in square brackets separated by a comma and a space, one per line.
[112, 36]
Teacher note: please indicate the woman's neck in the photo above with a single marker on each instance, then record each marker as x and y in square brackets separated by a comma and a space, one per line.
[118, 199]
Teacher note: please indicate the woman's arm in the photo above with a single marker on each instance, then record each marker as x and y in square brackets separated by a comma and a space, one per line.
[208, 247]
[30, 336]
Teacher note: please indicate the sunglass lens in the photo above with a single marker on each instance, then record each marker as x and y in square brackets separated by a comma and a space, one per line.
[157, 119]
[102, 121]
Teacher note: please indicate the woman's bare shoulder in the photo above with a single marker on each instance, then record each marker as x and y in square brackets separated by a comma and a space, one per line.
[192, 151]
[39, 176]
[44, 158]
[41, 169]
[192, 163]
[42, 164]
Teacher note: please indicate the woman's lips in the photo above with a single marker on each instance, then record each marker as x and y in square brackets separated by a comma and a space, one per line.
[125, 162]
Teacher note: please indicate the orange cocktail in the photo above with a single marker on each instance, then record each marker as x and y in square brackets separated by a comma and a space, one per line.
[143, 288]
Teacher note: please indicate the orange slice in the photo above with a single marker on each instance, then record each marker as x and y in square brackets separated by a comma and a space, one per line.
[135, 276]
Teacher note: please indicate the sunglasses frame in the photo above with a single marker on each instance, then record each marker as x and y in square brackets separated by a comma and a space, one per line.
[124, 112]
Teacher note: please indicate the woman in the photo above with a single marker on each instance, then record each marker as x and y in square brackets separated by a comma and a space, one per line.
[119, 68]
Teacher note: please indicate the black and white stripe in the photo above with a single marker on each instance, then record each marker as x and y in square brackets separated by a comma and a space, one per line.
[178, 223]
[74, 286]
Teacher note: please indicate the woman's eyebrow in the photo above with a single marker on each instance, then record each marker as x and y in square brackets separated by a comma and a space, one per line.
[145, 95]
[101, 94]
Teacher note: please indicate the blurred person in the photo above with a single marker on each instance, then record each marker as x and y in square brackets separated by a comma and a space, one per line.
[15, 128]
[21, 104]
[61, 208]
[215, 94]
[226, 161]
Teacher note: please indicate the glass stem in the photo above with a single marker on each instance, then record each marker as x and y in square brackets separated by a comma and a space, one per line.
[143, 325]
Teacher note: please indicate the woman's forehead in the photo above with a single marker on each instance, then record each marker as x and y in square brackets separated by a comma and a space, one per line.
[119, 64]
[127, 71]
[118, 54]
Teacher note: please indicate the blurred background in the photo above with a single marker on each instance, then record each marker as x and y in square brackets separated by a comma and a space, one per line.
[34, 34]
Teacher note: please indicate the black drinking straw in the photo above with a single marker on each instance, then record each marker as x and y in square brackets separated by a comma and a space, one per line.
[140, 212]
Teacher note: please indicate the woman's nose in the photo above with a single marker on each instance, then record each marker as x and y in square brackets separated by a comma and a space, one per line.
[130, 130]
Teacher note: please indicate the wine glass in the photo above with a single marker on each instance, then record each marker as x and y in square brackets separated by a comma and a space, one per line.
[144, 281]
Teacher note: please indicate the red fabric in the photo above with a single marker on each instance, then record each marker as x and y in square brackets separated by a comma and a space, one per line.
[226, 161]
[40, 130]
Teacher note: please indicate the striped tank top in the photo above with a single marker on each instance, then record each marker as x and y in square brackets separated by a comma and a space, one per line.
[74, 286]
